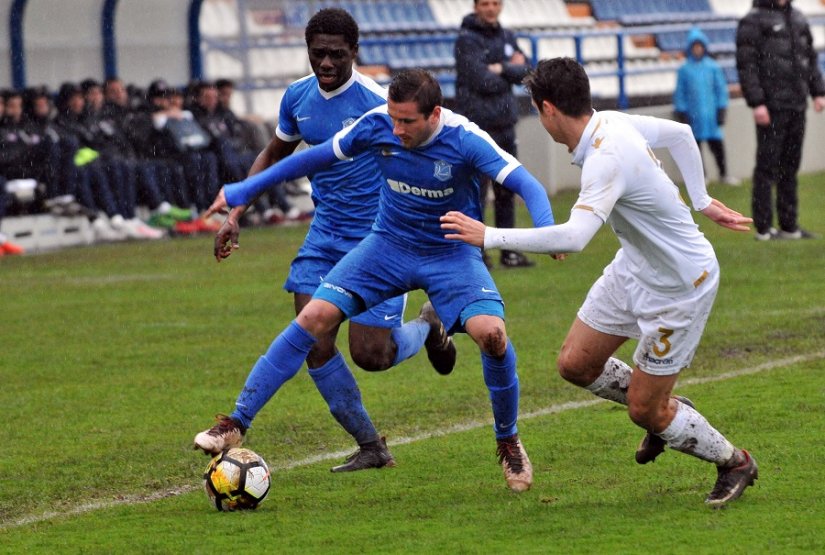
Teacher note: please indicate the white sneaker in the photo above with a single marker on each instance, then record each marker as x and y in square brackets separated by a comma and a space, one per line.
[105, 231]
[767, 236]
[789, 235]
[732, 181]
[136, 229]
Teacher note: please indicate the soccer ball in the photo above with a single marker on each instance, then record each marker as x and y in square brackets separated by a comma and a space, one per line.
[236, 479]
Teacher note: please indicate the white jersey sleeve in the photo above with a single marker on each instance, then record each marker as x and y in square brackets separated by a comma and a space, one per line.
[571, 236]
[678, 139]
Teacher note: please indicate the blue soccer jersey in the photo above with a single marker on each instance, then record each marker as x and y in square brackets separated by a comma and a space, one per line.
[423, 183]
[346, 193]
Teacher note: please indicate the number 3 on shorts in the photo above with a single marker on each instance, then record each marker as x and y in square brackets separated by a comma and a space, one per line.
[664, 342]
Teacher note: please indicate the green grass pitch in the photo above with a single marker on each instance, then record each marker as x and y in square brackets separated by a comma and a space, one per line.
[113, 357]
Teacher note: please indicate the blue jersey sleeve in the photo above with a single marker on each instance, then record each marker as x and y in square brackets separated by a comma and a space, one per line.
[297, 165]
[357, 138]
[522, 182]
[287, 125]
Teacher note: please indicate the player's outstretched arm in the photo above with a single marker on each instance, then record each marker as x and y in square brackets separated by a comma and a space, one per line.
[292, 167]
[571, 236]
[726, 217]
[463, 228]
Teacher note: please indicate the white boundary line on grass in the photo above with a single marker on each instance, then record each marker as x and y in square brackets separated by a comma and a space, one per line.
[467, 426]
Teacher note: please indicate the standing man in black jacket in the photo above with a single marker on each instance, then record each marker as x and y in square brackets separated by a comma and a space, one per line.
[778, 69]
[488, 64]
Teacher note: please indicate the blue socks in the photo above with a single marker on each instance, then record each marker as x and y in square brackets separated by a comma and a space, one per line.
[280, 363]
[409, 339]
[337, 386]
[502, 382]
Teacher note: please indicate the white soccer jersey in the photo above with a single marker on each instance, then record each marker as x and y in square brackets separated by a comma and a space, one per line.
[624, 185]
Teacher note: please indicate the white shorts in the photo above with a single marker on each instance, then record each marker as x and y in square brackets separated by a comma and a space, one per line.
[668, 328]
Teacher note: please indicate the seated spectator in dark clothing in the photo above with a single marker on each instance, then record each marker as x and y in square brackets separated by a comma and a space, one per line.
[67, 191]
[126, 105]
[115, 199]
[162, 131]
[144, 177]
[234, 162]
[6, 246]
[25, 152]
[251, 133]
[234, 156]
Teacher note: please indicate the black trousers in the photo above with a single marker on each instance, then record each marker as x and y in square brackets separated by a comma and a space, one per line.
[778, 156]
[717, 148]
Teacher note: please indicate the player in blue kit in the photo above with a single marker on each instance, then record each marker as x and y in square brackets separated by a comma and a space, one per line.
[431, 160]
[345, 195]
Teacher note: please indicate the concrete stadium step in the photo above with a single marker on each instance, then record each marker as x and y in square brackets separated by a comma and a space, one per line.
[45, 232]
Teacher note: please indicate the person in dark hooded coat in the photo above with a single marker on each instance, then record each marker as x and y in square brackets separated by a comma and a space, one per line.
[778, 70]
[488, 63]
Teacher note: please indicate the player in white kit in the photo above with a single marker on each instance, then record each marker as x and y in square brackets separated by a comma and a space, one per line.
[658, 289]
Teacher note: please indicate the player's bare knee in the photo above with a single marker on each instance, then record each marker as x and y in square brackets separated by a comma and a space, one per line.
[319, 317]
[493, 342]
[574, 371]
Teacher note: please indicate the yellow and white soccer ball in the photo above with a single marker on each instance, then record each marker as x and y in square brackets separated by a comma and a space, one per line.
[236, 479]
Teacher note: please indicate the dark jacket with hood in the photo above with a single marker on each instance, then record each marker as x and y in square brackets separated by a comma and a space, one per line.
[776, 59]
[483, 96]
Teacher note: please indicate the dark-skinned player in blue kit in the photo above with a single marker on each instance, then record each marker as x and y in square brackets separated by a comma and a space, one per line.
[346, 196]
[431, 160]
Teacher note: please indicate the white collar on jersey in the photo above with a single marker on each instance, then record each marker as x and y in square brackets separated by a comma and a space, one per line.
[342, 89]
[584, 142]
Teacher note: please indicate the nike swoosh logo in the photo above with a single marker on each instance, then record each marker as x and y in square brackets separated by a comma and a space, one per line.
[390, 316]
[485, 290]
[299, 118]
[505, 425]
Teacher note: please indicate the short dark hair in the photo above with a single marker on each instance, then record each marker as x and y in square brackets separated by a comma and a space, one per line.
[221, 83]
[417, 85]
[562, 82]
[87, 84]
[11, 93]
[332, 21]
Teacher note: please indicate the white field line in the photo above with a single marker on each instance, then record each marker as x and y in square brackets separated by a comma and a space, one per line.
[458, 428]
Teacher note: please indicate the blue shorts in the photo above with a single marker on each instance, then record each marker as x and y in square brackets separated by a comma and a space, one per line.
[316, 257]
[453, 277]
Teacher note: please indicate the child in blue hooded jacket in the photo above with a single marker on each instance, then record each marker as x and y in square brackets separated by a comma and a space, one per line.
[701, 99]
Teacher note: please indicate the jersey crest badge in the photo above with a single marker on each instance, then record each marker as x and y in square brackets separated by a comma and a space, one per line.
[443, 171]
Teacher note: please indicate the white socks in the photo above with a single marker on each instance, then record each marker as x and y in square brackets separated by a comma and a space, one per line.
[613, 382]
[690, 433]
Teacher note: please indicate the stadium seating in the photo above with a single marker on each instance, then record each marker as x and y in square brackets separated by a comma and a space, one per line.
[420, 33]
[721, 40]
[646, 12]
